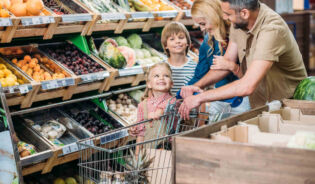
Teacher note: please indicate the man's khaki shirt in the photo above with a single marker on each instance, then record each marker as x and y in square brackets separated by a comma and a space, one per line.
[270, 39]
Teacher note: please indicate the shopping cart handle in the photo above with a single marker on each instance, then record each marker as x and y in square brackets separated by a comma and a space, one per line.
[180, 97]
[235, 101]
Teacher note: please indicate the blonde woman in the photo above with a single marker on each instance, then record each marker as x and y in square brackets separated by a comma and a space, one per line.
[209, 16]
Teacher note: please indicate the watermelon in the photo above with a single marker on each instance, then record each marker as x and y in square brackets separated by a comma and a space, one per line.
[306, 89]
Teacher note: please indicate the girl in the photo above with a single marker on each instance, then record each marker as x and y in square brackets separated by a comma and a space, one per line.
[156, 97]
[209, 16]
[176, 42]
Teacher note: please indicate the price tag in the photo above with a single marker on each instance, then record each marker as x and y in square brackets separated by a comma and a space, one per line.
[130, 71]
[70, 148]
[49, 84]
[113, 16]
[86, 78]
[11, 90]
[114, 136]
[37, 20]
[5, 22]
[141, 15]
[76, 17]
[66, 150]
[24, 88]
[188, 13]
[167, 14]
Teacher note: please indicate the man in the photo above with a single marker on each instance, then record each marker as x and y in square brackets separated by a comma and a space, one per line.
[270, 60]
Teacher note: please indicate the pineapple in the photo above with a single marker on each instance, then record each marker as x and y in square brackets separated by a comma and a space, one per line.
[138, 165]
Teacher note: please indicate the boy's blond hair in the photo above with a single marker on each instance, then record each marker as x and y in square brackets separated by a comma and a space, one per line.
[174, 28]
[148, 91]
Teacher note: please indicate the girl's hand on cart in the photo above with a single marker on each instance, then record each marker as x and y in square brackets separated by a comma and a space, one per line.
[133, 131]
[188, 104]
[187, 91]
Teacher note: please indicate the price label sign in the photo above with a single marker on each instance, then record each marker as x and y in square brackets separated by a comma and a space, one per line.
[113, 16]
[87, 142]
[46, 85]
[11, 90]
[114, 136]
[4, 22]
[130, 71]
[70, 148]
[188, 13]
[37, 20]
[76, 17]
[25, 88]
[167, 14]
[141, 15]
[87, 78]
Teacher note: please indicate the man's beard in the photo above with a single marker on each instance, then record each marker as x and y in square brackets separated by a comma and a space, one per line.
[242, 24]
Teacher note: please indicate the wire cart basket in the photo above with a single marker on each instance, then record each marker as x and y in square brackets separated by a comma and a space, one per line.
[120, 158]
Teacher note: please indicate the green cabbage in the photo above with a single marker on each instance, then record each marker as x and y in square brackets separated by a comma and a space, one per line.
[146, 53]
[121, 41]
[135, 41]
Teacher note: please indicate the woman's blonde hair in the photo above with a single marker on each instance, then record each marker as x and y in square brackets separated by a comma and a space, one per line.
[148, 91]
[211, 10]
[171, 29]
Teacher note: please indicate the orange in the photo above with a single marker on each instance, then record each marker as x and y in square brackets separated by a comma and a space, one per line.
[27, 58]
[14, 61]
[24, 68]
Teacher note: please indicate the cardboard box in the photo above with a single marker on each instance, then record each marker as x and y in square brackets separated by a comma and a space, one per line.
[198, 159]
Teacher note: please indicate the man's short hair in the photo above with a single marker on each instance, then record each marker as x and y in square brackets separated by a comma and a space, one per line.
[243, 4]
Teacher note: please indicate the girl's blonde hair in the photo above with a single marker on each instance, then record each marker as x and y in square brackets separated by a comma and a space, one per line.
[211, 10]
[148, 91]
[171, 29]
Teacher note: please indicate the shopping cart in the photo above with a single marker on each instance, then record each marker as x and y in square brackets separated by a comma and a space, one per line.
[116, 156]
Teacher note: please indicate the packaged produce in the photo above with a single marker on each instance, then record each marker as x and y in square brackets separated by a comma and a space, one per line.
[25, 149]
[51, 130]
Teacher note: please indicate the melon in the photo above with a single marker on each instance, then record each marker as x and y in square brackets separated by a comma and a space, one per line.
[306, 89]
[129, 55]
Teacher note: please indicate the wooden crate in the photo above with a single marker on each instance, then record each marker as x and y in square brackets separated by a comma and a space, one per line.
[197, 159]
[39, 26]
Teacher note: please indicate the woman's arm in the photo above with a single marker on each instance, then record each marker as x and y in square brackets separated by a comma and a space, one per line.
[220, 63]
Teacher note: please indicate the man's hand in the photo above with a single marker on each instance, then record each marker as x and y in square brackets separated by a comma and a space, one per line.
[187, 91]
[188, 104]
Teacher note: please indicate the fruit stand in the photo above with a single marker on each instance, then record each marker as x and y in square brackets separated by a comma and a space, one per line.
[72, 70]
